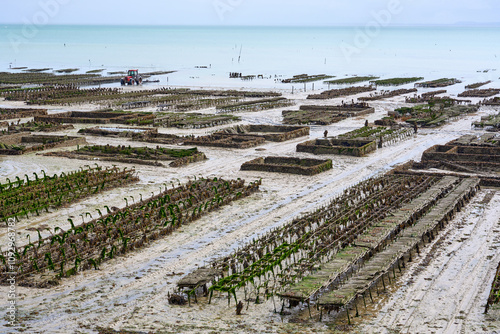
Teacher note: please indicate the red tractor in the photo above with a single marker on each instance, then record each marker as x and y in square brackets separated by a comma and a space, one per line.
[131, 78]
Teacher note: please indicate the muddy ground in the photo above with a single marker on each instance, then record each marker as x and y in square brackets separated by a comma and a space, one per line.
[443, 291]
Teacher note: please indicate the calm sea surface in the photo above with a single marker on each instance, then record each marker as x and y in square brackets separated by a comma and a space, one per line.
[278, 51]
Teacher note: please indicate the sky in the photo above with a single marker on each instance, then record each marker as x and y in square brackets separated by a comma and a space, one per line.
[252, 12]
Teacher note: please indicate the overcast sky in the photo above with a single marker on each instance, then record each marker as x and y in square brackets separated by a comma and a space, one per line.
[250, 12]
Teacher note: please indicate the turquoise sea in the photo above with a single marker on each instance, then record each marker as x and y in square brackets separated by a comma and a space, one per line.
[432, 52]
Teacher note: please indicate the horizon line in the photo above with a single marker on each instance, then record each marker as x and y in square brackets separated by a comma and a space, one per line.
[415, 25]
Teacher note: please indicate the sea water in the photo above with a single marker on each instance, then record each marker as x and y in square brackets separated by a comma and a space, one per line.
[204, 56]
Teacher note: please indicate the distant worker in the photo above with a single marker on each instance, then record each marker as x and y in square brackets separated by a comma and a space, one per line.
[366, 123]
[415, 127]
[325, 133]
